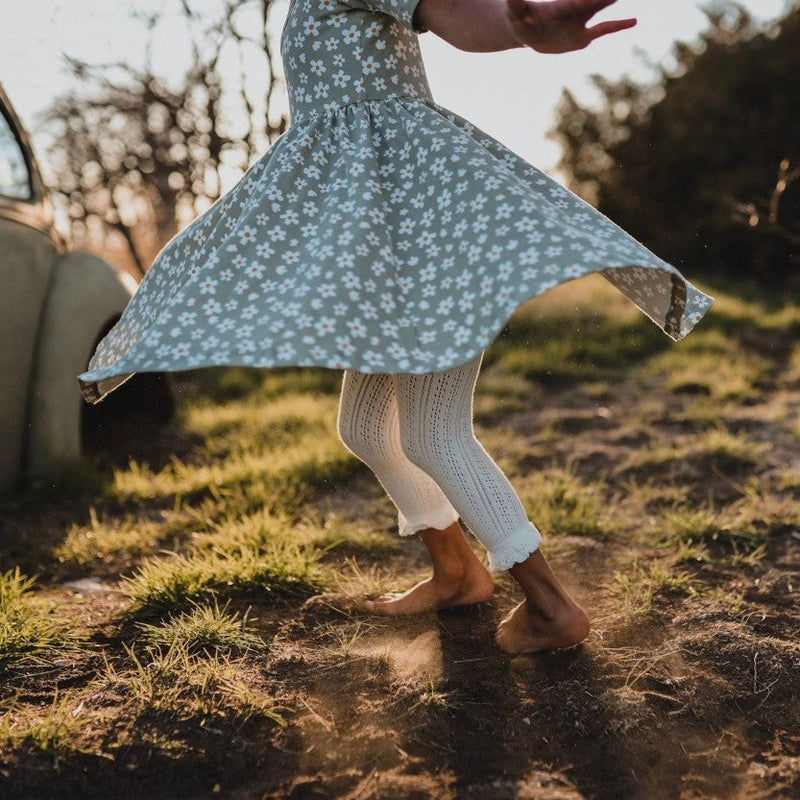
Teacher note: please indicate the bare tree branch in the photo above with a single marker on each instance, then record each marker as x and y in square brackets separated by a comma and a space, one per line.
[136, 154]
[766, 214]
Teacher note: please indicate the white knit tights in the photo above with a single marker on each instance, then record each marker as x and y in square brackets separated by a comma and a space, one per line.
[415, 433]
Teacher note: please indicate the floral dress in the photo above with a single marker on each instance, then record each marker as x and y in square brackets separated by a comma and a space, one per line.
[380, 233]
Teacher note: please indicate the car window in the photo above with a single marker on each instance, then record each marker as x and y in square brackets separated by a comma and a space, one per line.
[15, 179]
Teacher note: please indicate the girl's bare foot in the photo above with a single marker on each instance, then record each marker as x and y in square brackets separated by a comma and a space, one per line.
[434, 594]
[458, 578]
[548, 618]
[525, 630]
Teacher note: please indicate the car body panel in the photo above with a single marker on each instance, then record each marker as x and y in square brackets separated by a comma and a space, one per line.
[86, 298]
[54, 308]
[27, 261]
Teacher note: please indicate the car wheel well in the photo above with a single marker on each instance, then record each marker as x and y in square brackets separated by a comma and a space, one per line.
[142, 403]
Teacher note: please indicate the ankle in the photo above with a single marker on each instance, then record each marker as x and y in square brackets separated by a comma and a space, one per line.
[449, 571]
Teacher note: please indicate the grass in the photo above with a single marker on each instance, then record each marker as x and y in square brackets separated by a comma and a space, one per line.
[663, 469]
[29, 635]
[637, 587]
[715, 448]
[203, 629]
[562, 504]
[176, 682]
[56, 732]
[710, 364]
[275, 573]
[583, 332]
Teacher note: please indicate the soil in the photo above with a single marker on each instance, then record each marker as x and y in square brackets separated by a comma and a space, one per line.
[694, 699]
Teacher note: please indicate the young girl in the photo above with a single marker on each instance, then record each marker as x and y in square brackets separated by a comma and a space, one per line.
[387, 237]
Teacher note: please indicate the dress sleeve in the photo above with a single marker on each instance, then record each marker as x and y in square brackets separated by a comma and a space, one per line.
[401, 10]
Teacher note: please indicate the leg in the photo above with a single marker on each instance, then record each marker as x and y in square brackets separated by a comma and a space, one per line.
[548, 618]
[458, 579]
[368, 425]
[369, 428]
[436, 431]
[435, 411]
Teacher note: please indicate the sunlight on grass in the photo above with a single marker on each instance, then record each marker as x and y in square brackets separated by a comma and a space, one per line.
[738, 531]
[717, 445]
[794, 361]
[222, 384]
[254, 421]
[57, 731]
[204, 629]
[338, 537]
[733, 312]
[279, 451]
[101, 539]
[653, 496]
[559, 503]
[720, 442]
[765, 509]
[500, 393]
[28, 634]
[789, 478]
[711, 364]
[637, 587]
[283, 477]
[274, 572]
[176, 681]
[583, 332]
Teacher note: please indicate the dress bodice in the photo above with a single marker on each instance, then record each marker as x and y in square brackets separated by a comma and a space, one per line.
[338, 53]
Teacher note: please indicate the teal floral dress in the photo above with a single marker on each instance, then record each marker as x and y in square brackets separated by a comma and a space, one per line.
[380, 233]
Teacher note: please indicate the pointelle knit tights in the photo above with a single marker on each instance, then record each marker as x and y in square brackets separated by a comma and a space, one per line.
[415, 433]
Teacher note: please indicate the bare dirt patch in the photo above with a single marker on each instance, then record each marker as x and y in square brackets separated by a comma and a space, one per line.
[674, 521]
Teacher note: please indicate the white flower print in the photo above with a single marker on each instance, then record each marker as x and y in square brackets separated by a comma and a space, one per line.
[247, 234]
[367, 216]
[312, 26]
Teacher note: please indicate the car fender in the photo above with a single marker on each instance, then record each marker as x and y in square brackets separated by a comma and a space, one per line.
[86, 297]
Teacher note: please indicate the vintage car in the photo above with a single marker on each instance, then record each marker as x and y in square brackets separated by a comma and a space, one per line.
[55, 305]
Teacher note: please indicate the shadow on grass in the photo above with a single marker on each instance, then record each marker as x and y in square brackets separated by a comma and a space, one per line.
[166, 757]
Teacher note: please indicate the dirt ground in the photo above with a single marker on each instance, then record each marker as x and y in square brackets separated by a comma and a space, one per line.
[693, 696]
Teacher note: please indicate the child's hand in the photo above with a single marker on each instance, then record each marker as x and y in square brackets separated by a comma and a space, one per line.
[559, 26]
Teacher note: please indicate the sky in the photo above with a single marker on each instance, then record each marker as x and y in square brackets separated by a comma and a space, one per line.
[510, 95]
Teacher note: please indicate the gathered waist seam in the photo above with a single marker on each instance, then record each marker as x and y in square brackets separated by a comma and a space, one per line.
[296, 119]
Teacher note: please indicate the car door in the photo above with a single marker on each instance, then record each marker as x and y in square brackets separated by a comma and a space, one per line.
[27, 259]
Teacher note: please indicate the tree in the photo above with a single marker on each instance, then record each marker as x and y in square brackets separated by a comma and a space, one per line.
[688, 163]
[136, 154]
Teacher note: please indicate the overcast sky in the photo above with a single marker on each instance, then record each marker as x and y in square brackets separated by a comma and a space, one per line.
[510, 95]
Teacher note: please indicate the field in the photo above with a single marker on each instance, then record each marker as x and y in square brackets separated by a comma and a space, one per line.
[181, 619]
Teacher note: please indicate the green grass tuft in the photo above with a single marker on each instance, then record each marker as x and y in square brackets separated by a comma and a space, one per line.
[272, 573]
[28, 635]
[177, 683]
[203, 630]
[560, 503]
[637, 587]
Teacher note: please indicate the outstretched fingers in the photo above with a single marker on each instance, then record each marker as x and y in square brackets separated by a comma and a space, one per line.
[612, 26]
[560, 26]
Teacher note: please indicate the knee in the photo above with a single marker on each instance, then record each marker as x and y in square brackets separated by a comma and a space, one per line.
[433, 449]
[350, 432]
[363, 437]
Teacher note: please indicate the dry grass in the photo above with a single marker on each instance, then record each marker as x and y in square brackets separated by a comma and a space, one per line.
[226, 647]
